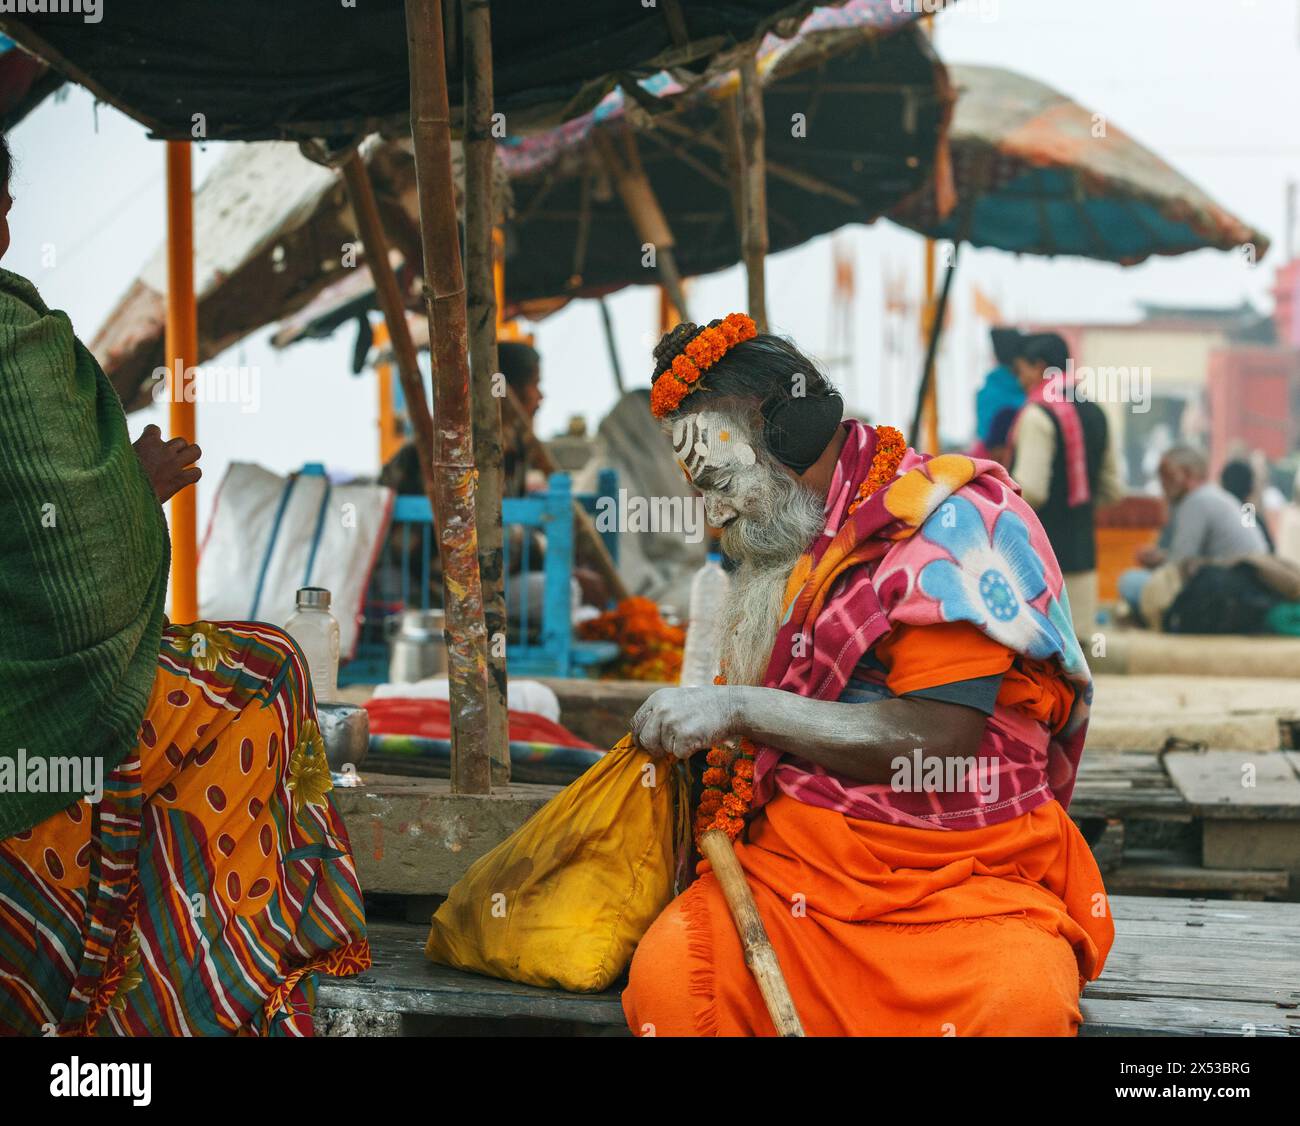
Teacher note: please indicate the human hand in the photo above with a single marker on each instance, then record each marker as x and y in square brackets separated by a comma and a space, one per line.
[170, 466]
[681, 721]
[592, 584]
[1150, 557]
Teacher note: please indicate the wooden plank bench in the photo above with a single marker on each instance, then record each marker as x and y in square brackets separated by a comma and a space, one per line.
[1178, 968]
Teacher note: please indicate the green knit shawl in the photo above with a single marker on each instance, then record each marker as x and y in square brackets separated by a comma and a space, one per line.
[83, 564]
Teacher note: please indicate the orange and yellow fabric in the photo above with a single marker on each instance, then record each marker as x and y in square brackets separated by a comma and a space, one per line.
[886, 930]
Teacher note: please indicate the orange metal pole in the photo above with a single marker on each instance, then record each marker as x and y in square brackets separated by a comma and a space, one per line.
[931, 438]
[182, 342]
[931, 413]
[390, 434]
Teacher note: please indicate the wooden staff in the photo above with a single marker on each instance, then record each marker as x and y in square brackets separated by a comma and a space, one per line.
[761, 959]
[642, 206]
[453, 468]
[480, 221]
[750, 141]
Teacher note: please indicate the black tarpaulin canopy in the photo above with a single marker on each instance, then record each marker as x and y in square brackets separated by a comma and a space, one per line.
[294, 69]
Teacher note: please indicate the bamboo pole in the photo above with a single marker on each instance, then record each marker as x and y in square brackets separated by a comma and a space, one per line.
[750, 143]
[611, 345]
[388, 294]
[761, 959]
[182, 343]
[926, 393]
[480, 221]
[642, 206]
[453, 445]
[930, 327]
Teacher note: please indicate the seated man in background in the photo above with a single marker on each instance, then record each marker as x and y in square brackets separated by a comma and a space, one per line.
[898, 733]
[520, 364]
[1238, 478]
[1206, 522]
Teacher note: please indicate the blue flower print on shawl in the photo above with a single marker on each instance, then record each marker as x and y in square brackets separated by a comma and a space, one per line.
[992, 581]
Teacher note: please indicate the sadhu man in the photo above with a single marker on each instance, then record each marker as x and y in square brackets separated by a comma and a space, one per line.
[897, 737]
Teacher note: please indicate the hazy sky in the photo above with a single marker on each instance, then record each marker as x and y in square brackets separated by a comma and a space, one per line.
[1213, 86]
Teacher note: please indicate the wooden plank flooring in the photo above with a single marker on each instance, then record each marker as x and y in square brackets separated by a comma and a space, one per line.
[1179, 967]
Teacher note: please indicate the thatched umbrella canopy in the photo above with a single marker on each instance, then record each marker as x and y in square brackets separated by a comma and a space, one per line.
[1037, 173]
[871, 99]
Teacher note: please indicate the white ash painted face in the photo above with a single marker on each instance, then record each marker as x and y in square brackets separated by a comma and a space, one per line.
[714, 453]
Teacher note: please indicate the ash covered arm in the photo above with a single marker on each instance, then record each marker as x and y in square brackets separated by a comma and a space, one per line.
[857, 740]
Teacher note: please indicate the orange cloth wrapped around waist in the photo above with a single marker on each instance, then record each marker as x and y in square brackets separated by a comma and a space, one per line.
[886, 930]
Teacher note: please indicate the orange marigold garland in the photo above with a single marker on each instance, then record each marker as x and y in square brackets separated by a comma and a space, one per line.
[701, 353]
[728, 787]
[890, 448]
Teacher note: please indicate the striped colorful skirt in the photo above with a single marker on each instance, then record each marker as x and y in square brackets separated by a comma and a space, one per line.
[212, 882]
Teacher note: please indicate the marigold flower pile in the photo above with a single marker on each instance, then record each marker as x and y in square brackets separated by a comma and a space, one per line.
[650, 649]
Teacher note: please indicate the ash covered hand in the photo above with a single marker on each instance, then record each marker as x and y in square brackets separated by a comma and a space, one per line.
[681, 721]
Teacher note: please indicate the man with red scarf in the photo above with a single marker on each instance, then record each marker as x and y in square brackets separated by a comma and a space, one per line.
[1064, 464]
[898, 733]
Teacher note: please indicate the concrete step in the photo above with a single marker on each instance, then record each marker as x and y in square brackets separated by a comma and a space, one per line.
[413, 836]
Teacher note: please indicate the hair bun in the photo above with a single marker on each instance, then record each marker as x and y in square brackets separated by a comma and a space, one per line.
[671, 344]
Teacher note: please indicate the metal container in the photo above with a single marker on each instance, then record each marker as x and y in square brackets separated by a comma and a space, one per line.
[416, 647]
[346, 731]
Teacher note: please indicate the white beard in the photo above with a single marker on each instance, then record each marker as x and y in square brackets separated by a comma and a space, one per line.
[749, 621]
[766, 546]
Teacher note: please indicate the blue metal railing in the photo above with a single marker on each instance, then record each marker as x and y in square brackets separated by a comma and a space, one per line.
[537, 644]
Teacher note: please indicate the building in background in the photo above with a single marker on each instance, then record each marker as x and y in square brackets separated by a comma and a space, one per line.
[1224, 379]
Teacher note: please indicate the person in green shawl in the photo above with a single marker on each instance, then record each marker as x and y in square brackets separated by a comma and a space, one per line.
[170, 859]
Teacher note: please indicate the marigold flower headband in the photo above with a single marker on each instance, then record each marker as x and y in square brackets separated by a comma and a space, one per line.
[704, 350]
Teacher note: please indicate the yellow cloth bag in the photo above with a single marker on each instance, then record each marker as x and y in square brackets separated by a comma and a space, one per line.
[564, 900]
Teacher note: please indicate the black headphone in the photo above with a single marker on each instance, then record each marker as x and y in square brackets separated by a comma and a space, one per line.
[798, 429]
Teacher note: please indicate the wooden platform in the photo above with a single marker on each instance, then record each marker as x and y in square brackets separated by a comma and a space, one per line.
[1178, 968]
[1193, 821]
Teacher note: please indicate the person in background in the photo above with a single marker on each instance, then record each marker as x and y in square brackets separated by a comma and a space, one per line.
[1064, 463]
[1238, 478]
[1205, 522]
[1288, 525]
[185, 872]
[1000, 398]
[522, 368]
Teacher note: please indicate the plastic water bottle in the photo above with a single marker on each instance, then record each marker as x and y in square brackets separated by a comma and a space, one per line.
[316, 631]
[703, 640]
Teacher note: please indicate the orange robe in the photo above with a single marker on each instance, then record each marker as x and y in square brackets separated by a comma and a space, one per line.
[886, 930]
